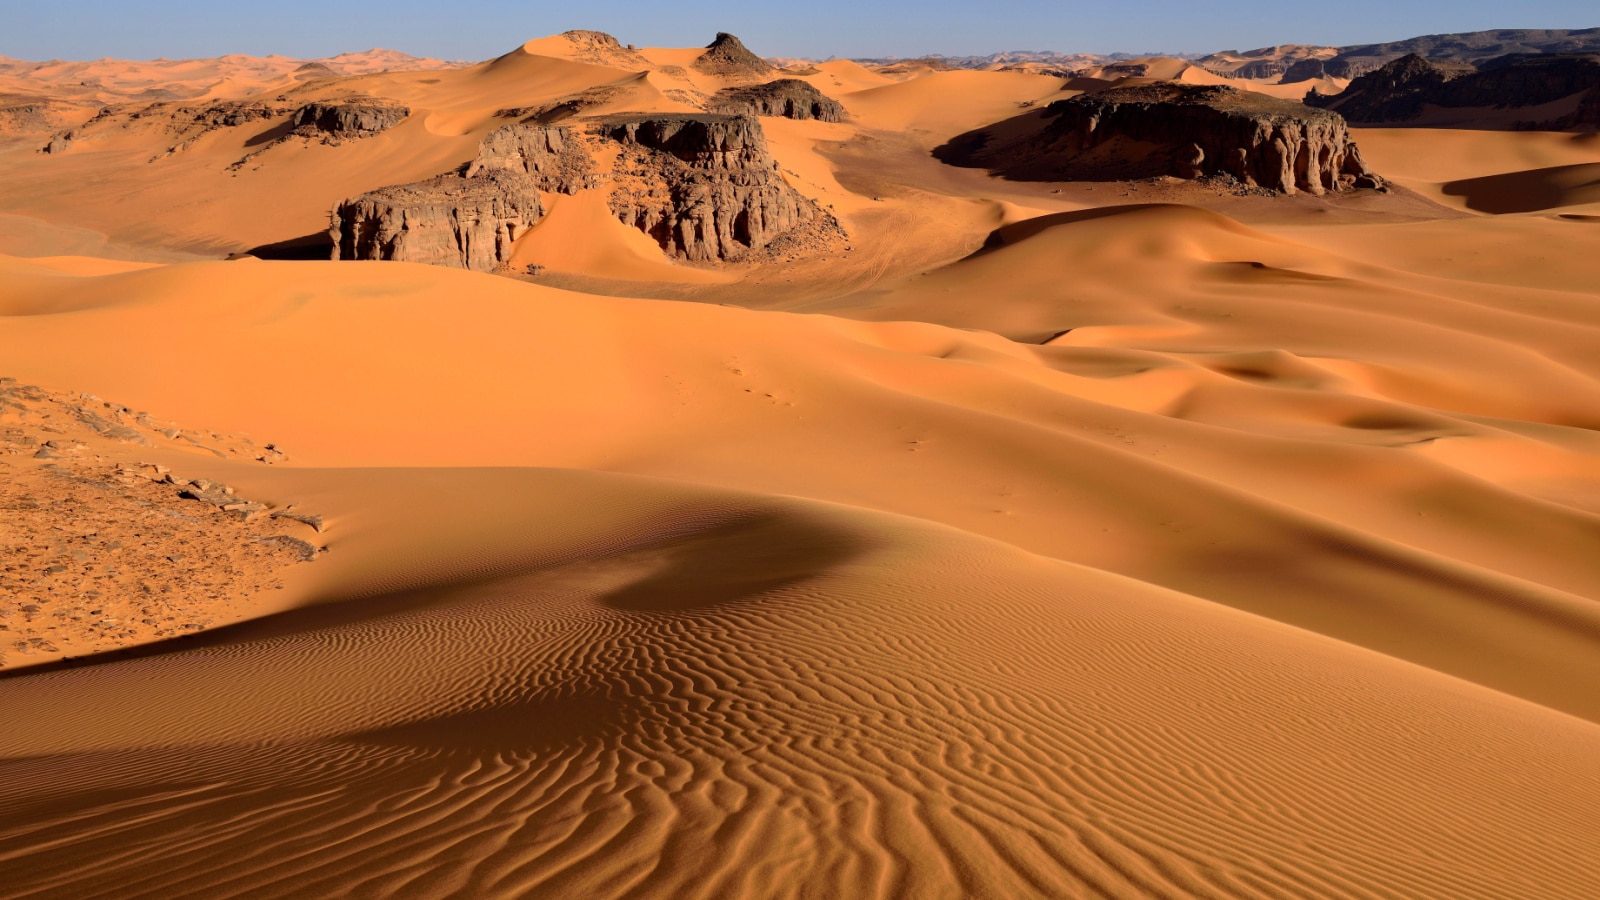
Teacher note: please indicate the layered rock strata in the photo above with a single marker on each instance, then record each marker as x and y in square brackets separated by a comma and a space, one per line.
[789, 98]
[452, 220]
[1190, 131]
[705, 187]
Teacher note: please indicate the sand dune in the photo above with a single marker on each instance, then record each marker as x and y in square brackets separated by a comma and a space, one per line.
[1038, 539]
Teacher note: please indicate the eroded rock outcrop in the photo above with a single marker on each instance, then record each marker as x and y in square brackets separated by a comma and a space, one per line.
[789, 98]
[452, 220]
[1403, 89]
[347, 119]
[727, 56]
[552, 156]
[705, 187]
[1190, 131]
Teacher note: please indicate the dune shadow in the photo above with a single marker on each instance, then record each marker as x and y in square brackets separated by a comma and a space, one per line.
[316, 245]
[733, 561]
[276, 132]
[1532, 190]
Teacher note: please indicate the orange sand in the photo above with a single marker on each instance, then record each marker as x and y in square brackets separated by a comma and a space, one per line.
[1052, 540]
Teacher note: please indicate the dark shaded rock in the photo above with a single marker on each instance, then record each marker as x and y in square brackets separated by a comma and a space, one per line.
[347, 120]
[705, 187]
[789, 98]
[1191, 131]
[1401, 90]
[551, 156]
[452, 220]
[727, 56]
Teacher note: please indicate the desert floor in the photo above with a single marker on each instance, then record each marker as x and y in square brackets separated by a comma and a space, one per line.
[1050, 540]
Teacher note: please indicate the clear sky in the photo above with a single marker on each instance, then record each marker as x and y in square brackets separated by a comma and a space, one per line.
[479, 29]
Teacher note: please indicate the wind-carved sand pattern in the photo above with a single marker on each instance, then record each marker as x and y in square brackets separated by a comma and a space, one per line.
[970, 535]
[831, 719]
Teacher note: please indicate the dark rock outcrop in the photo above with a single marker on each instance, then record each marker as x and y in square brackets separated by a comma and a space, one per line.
[1401, 90]
[452, 220]
[789, 98]
[729, 57]
[347, 120]
[1190, 131]
[705, 187]
[552, 156]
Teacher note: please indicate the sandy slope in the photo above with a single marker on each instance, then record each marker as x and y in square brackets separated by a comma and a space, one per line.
[1072, 544]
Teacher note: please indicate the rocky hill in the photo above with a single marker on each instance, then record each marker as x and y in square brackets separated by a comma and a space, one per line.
[1475, 47]
[1188, 131]
[1402, 90]
[728, 57]
[788, 98]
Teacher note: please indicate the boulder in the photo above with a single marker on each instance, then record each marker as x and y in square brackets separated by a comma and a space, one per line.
[452, 220]
[789, 98]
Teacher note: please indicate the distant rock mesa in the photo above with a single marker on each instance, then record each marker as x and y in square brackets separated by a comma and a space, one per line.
[1402, 90]
[1188, 131]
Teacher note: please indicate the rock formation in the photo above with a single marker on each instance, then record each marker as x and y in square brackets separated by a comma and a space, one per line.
[728, 57]
[1400, 90]
[705, 187]
[789, 98]
[1474, 47]
[552, 156]
[346, 120]
[601, 49]
[1191, 131]
[452, 220]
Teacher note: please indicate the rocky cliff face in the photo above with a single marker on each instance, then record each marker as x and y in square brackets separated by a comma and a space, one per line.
[1190, 131]
[789, 98]
[452, 220]
[346, 120]
[704, 186]
[552, 156]
[1402, 89]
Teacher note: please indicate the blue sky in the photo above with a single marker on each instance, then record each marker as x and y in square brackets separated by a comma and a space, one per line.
[478, 29]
